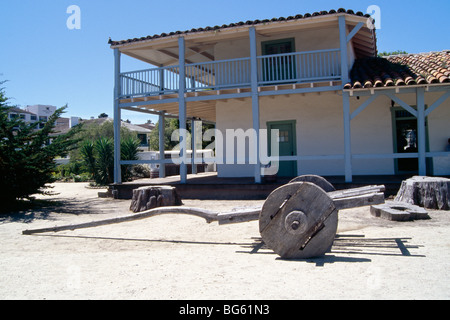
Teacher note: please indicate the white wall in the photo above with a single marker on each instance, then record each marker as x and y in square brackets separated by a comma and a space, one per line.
[371, 134]
[41, 110]
[319, 131]
[305, 40]
[439, 133]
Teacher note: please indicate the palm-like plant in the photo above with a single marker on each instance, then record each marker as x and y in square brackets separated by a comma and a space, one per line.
[98, 157]
[129, 149]
[87, 153]
[104, 148]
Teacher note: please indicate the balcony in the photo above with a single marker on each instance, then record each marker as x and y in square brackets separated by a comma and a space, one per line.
[279, 69]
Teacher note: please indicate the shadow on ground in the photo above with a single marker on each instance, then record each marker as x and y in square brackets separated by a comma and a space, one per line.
[41, 209]
[350, 248]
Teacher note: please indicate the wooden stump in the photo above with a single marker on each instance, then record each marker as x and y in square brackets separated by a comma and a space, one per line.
[427, 192]
[399, 211]
[147, 198]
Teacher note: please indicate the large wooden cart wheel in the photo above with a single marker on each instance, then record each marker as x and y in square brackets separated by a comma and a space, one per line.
[317, 180]
[299, 221]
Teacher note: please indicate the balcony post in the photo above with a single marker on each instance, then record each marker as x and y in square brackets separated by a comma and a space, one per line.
[161, 125]
[345, 100]
[161, 81]
[255, 99]
[343, 47]
[182, 109]
[117, 116]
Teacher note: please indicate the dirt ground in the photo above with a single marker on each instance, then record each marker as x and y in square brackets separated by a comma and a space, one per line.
[182, 257]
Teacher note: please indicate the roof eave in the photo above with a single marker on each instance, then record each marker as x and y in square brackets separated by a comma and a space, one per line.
[233, 29]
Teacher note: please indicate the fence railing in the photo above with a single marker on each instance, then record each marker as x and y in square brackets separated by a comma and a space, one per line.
[218, 74]
[272, 69]
[154, 81]
[299, 67]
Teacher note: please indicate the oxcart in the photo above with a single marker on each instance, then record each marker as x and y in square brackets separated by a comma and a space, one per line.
[297, 221]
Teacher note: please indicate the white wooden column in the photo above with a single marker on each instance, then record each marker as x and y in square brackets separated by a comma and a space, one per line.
[421, 139]
[347, 138]
[196, 141]
[161, 125]
[193, 147]
[182, 109]
[345, 100]
[255, 99]
[117, 116]
[343, 46]
[161, 80]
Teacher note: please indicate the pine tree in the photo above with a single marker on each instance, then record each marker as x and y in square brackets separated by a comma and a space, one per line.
[27, 160]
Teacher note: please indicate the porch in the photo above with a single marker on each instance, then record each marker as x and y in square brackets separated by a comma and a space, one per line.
[206, 186]
[277, 69]
[193, 76]
[158, 89]
[193, 82]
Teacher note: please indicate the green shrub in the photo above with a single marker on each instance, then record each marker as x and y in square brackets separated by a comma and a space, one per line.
[98, 158]
[27, 159]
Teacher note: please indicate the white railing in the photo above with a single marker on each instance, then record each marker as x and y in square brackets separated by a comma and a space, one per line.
[272, 69]
[218, 74]
[150, 81]
[299, 67]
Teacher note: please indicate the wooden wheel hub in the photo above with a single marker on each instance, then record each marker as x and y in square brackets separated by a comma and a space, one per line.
[296, 222]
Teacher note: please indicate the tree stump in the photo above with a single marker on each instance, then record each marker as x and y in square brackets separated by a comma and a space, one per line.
[147, 198]
[427, 192]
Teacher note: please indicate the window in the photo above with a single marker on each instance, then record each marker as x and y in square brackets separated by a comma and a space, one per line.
[403, 114]
[283, 136]
[143, 138]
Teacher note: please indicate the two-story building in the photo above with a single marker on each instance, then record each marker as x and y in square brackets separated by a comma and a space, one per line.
[24, 115]
[313, 81]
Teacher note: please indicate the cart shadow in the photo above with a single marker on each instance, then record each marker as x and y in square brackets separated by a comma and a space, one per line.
[346, 248]
[143, 240]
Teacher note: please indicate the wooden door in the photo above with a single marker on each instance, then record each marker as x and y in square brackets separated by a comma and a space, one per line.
[287, 146]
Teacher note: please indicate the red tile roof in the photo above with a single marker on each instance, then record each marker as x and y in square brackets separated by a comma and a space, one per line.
[241, 23]
[400, 70]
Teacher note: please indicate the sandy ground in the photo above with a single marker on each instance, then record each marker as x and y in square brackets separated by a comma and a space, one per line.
[182, 257]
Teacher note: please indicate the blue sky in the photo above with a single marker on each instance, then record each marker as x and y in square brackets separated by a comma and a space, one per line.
[46, 63]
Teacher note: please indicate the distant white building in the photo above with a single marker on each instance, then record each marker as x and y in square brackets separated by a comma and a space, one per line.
[14, 113]
[42, 112]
